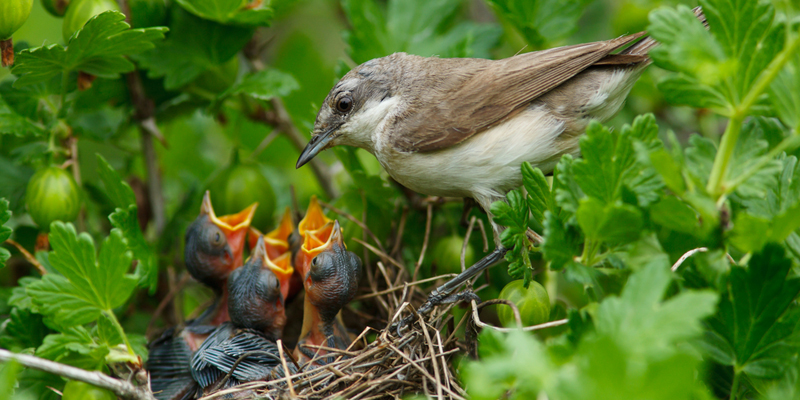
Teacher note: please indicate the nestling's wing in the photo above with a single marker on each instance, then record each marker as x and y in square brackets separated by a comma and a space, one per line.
[221, 351]
[496, 91]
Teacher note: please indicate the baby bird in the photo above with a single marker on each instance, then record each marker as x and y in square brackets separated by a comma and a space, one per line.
[257, 314]
[214, 248]
[330, 278]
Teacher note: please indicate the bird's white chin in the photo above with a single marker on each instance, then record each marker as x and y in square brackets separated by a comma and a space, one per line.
[363, 127]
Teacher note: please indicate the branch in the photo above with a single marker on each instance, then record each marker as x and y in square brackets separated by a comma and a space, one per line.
[121, 388]
[144, 115]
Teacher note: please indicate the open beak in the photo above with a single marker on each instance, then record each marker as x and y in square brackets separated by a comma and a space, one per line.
[318, 143]
[234, 226]
[326, 238]
[277, 241]
[314, 219]
[281, 266]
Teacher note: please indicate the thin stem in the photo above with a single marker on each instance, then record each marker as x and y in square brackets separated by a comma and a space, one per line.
[767, 76]
[787, 144]
[735, 384]
[724, 155]
[113, 318]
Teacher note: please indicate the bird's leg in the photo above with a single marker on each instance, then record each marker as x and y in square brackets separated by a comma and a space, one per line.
[438, 296]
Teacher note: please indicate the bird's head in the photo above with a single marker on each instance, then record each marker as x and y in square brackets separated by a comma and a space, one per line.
[214, 245]
[256, 292]
[353, 109]
[331, 279]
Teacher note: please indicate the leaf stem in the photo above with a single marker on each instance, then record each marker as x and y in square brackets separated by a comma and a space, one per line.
[767, 76]
[735, 383]
[789, 143]
[722, 160]
[115, 321]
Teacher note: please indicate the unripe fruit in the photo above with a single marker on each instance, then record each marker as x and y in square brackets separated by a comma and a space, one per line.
[77, 390]
[533, 304]
[239, 186]
[52, 195]
[81, 11]
[447, 255]
[56, 8]
[13, 13]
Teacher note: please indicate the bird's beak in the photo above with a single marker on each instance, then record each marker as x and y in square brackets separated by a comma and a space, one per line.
[234, 226]
[318, 143]
[277, 241]
[314, 219]
[326, 238]
[282, 268]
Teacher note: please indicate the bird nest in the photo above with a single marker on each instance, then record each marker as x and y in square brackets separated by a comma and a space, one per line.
[398, 351]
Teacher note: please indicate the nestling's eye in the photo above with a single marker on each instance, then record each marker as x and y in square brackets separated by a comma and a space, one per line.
[216, 238]
[344, 104]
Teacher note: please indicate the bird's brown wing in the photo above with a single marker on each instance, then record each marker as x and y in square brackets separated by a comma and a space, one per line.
[494, 92]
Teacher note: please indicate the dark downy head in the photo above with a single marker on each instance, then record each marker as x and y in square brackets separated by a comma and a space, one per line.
[255, 299]
[215, 246]
[331, 280]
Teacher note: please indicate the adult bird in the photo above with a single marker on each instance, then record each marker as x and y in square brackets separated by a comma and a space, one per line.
[462, 127]
[214, 248]
[244, 349]
[330, 278]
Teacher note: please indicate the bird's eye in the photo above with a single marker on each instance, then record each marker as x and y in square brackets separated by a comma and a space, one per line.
[344, 104]
[217, 238]
[314, 262]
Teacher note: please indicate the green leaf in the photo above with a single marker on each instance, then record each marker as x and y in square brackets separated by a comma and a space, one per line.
[676, 215]
[5, 232]
[264, 85]
[784, 94]
[756, 326]
[566, 191]
[714, 68]
[421, 27]
[127, 221]
[100, 49]
[12, 123]
[89, 285]
[236, 12]
[184, 55]
[561, 242]
[645, 324]
[541, 22]
[23, 330]
[609, 161]
[74, 346]
[125, 218]
[117, 189]
[539, 197]
[613, 223]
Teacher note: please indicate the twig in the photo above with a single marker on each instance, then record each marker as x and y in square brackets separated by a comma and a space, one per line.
[286, 369]
[121, 388]
[687, 255]
[482, 324]
[28, 256]
[424, 241]
[355, 220]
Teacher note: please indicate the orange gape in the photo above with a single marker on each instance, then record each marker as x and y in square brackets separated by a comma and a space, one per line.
[234, 227]
[276, 243]
[315, 229]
